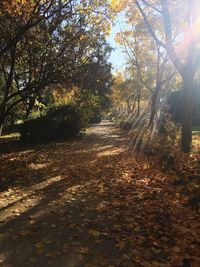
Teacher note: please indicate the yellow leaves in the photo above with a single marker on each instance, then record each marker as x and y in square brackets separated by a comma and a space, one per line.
[40, 247]
[17, 7]
[137, 229]
[176, 249]
[129, 217]
[17, 211]
[118, 38]
[80, 257]
[117, 5]
[120, 245]
[82, 37]
[84, 250]
[94, 233]
[154, 264]
[25, 233]
[146, 165]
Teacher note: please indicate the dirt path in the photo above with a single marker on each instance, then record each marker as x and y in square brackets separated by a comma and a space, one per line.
[90, 203]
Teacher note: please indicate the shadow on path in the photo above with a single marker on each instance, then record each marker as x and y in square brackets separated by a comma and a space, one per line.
[87, 203]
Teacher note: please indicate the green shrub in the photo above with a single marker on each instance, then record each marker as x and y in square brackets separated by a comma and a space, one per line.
[58, 122]
[96, 118]
[164, 143]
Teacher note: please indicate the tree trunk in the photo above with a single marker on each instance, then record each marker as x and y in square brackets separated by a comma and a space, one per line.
[153, 104]
[2, 116]
[186, 131]
[138, 100]
[30, 106]
[1, 130]
[133, 106]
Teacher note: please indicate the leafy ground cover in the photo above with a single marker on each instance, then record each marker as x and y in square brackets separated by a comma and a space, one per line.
[92, 203]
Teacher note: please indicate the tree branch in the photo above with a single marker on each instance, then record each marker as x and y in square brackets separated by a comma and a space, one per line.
[149, 27]
[169, 40]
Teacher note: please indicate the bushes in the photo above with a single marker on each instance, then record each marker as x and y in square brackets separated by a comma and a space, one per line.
[163, 142]
[96, 118]
[175, 102]
[58, 122]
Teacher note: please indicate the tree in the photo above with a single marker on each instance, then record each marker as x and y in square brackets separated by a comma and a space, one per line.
[174, 26]
[91, 84]
[180, 38]
[95, 76]
[46, 44]
[149, 63]
[124, 95]
[19, 16]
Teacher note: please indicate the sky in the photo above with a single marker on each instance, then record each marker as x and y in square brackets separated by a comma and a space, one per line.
[117, 57]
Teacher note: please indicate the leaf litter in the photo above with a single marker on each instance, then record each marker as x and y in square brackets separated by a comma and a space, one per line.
[92, 203]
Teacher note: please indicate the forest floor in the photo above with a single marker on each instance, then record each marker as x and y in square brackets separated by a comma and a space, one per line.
[91, 203]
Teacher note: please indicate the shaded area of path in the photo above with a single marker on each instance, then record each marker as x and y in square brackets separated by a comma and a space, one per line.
[90, 203]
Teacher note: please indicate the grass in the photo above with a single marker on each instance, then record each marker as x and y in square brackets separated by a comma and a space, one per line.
[196, 130]
[10, 136]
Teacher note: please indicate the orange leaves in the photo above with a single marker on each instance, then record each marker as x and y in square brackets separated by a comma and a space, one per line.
[95, 233]
[118, 38]
[109, 211]
[84, 250]
[118, 5]
[16, 7]
[39, 245]
[26, 234]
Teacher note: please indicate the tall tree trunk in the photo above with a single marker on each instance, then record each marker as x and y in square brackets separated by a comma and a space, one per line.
[138, 101]
[30, 106]
[153, 104]
[2, 116]
[188, 99]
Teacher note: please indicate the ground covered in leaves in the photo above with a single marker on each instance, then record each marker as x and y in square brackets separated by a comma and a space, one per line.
[91, 203]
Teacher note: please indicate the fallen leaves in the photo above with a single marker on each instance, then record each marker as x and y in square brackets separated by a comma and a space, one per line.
[26, 233]
[84, 250]
[100, 207]
[39, 247]
[95, 233]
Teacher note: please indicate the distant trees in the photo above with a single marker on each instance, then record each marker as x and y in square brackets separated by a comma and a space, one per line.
[124, 97]
[148, 62]
[44, 44]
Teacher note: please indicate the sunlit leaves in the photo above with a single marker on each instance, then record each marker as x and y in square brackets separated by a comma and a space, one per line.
[16, 7]
[94, 210]
[117, 5]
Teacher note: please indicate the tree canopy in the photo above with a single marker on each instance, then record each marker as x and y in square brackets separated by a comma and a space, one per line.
[170, 30]
[50, 43]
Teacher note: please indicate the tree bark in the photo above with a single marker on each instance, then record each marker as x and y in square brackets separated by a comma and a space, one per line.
[2, 116]
[153, 104]
[186, 131]
[138, 100]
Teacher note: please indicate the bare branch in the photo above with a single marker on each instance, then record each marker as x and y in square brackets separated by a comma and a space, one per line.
[151, 6]
[149, 27]
[169, 40]
[168, 34]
